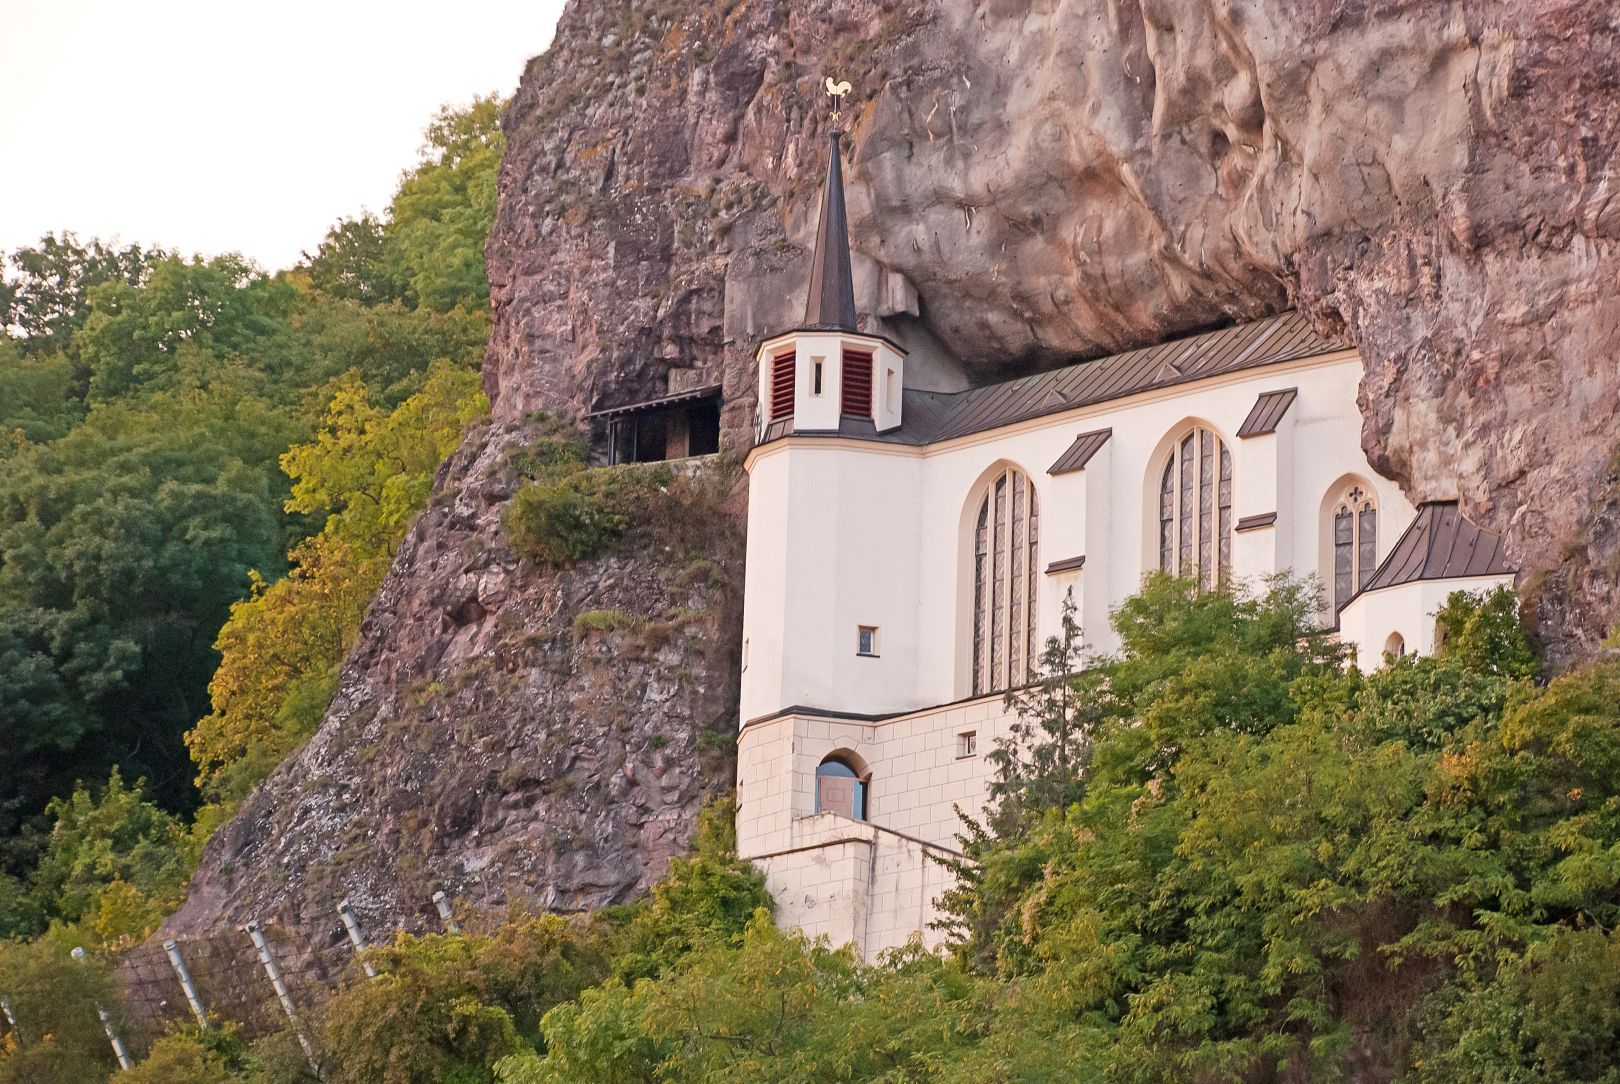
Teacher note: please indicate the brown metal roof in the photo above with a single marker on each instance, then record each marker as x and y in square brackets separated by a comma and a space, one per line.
[1080, 452]
[930, 417]
[1267, 412]
[1441, 544]
[712, 391]
[1068, 564]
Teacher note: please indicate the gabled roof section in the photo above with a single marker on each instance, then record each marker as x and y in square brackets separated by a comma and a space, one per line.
[930, 417]
[1441, 544]
[831, 303]
[1080, 452]
[1267, 412]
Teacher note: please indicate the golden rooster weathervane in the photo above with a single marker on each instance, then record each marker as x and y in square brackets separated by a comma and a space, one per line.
[836, 92]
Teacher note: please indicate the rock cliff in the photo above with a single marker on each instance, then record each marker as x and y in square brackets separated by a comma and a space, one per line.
[1032, 182]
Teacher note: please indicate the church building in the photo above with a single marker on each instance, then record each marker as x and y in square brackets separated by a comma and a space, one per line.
[909, 551]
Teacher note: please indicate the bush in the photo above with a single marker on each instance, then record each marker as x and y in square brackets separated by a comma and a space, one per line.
[190, 1056]
[581, 515]
[446, 1007]
[59, 1039]
[115, 863]
[707, 898]
[570, 512]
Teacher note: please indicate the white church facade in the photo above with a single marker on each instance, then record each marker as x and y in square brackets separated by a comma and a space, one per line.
[909, 552]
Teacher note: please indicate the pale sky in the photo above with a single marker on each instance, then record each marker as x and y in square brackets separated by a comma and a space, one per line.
[228, 126]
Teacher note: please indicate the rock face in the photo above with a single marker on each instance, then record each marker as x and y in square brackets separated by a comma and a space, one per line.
[503, 733]
[1031, 182]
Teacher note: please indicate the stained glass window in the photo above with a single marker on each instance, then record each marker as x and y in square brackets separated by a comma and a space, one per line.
[1355, 543]
[1006, 554]
[1195, 509]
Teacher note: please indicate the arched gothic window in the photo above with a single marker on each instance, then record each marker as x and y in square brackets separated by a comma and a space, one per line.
[1195, 509]
[1355, 543]
[840, 789]
[1006, 559]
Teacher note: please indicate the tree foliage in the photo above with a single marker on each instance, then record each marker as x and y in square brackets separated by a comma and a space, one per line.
[156, 411]
[367, 472]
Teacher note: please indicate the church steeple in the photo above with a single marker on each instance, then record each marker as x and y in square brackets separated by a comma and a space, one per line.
[831, 304]
[826, 376]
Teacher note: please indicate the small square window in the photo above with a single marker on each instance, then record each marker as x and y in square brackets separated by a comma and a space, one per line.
[866, 640]
[967, 744]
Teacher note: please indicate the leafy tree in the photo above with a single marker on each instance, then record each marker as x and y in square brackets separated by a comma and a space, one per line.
[705, 899]
[354, 262]
[122, 546]
[45, 291]
[37, 397]
[115, 862]
[441, 215]
[367, 472]
[59, 1038]
[445, 1008]
[134, 335]
[388, 347]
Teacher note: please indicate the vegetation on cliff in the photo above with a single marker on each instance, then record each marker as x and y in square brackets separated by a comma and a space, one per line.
[1263, 865]
[206, 471]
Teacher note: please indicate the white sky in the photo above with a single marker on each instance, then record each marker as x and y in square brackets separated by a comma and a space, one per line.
[230, 125]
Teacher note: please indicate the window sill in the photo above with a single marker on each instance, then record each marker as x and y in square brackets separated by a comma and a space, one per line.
[867, 655]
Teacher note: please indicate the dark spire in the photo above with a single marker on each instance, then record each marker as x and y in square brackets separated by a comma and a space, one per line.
[831, 304]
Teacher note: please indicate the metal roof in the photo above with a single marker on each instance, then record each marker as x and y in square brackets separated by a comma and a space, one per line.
[831, 302]
[711, 391]
[1080, 452]
[1267, 412]
[930, 417]
[1441, 544]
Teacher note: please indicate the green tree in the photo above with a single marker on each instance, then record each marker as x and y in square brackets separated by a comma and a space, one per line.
[367, 473]
[135, 336]
[441, 215]
[38, 401]
[45, 291]
[115, 863]
[354, 262]
[122, 546]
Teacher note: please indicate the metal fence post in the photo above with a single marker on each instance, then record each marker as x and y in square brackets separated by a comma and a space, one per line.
[351, 925]
[107, 1024]
[186, 984]
[282, 993]
[443, 904]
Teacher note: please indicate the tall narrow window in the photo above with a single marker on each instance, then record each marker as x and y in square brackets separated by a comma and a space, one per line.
[857, 387]
[1355, 543]
[783, 370]
[1006, 554]
[1195, 509]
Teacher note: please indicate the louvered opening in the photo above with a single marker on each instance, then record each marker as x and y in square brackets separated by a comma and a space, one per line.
[782, 371]
[857, 395]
